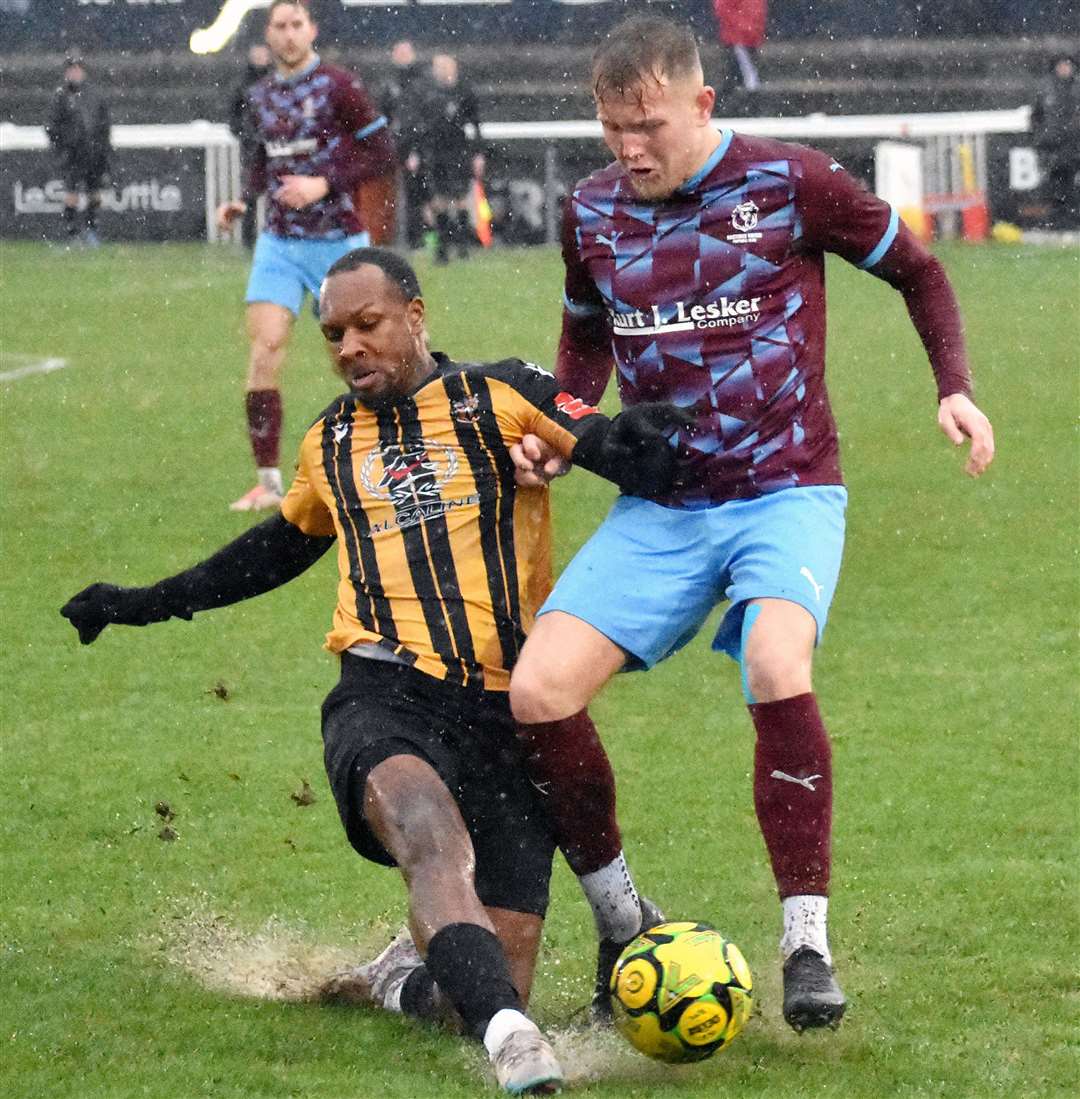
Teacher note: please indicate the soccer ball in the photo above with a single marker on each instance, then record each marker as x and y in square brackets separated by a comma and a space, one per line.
[680, 992]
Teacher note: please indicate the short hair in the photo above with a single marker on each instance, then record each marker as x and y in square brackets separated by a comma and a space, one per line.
[305, 4]
[641, 48]
[396, 268]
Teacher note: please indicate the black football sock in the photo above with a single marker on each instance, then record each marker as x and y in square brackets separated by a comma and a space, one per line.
[469, 966]
[419, 997]
[68, 217]
[92, 206]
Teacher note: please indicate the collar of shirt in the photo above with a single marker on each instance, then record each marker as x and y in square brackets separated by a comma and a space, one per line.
[295, 78]
[714, 158]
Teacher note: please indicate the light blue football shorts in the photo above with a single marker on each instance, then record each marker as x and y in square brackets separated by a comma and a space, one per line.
[284, 267]
[650, 575]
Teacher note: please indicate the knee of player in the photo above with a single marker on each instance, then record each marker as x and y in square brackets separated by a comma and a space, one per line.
[268, 342]
[412, 812]
[536, 696]
[769, 676]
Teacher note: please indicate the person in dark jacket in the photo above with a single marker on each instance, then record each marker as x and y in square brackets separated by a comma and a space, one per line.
[1055, 121]
[79, 131]
[451, 155]
[404, 102]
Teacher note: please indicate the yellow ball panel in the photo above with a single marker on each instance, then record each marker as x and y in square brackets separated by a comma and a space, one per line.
[739, 966]
[645, 1035]
[741, 1005]
[691, 964]
[673, 928]
[636, 983]
[703, 1023]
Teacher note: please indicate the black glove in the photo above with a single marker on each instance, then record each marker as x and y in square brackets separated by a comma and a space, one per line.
[97, 606]
[633, 449]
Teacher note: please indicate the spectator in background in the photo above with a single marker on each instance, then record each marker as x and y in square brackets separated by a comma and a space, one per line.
[740, 24]
[451, 156]
[1056, 124]
[242, 124]
[403, 102]
[79, 130]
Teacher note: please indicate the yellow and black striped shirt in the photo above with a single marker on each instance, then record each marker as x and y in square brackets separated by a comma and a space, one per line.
[443, 560]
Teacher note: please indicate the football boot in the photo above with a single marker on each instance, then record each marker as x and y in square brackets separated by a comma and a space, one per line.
[812, 998]
[525, 1064]
[376, 981]
[600, 1011]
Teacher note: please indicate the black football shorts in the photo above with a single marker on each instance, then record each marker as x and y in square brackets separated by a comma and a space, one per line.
[380, 709]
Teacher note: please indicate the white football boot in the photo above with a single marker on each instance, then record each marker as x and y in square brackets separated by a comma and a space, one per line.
[380, 981]
[525, 1063]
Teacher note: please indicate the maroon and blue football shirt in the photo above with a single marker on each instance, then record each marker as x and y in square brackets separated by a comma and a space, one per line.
[714, 298]
[320, 122]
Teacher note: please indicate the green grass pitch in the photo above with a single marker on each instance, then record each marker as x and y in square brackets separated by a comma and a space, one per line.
[134, 966]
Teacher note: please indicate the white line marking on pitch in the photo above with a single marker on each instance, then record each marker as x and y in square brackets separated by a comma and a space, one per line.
[41, 366]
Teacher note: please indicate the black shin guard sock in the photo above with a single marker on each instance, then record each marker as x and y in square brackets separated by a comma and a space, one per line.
[68, 217]
[92, 207]
[469, 966]
[418, 997]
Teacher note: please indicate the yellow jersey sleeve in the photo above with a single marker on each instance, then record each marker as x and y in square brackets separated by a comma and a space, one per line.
[302, 506]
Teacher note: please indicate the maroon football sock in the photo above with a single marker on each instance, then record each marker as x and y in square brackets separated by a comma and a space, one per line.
[264, 425]
[568, 764]
[793, 792]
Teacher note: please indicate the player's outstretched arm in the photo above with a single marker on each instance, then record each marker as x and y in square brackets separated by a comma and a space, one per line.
[260, 560]
[960, 419]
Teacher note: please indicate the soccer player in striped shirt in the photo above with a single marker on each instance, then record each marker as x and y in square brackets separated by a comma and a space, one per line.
[318, 137]
[695, 267]
[442, 562]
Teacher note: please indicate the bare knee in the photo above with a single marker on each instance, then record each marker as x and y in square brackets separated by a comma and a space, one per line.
[537, 695]
[778, 651]
[563, 665]
[414, 816]
[773, 679]
[269, 328]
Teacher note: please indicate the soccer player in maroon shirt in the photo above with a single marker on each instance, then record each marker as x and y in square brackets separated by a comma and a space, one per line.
[318, 138]
[695, 267]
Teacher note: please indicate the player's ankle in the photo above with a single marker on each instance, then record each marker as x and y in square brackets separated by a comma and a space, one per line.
[270, 479]
[806, 924]
[503, 1023]
[614, 900]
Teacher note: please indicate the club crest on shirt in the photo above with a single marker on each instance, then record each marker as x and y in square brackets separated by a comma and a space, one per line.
[411, 477]
[467, 410]
[744, 218]
[410, 472]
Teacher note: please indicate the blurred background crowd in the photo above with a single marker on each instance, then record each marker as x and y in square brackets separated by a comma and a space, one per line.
[439, 71]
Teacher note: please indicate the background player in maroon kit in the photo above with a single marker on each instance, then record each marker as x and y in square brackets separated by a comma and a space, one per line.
[318, 138]
[695, 267]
